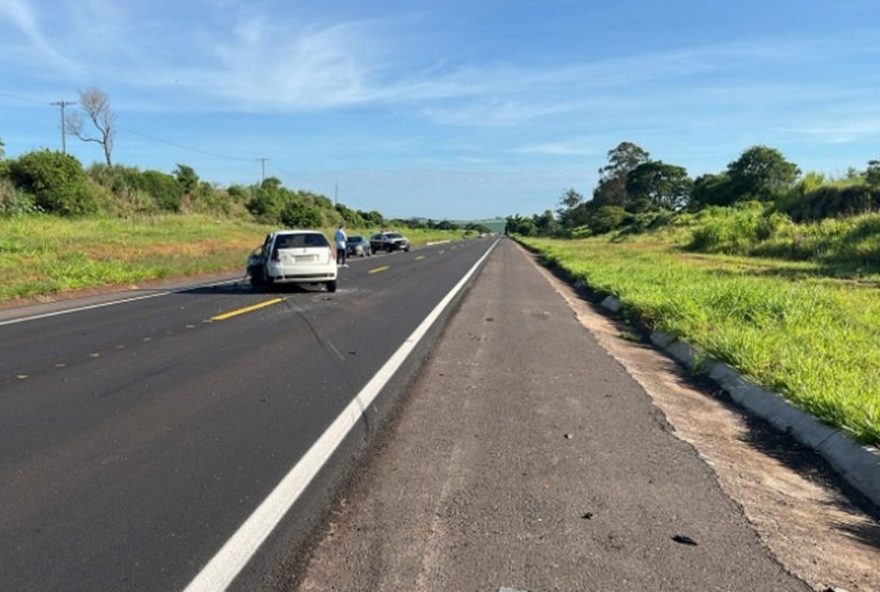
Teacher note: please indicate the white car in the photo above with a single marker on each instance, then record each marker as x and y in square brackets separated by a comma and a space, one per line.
[294, 256]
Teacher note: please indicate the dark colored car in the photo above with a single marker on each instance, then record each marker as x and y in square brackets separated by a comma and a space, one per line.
[389, 241]
[358, 245]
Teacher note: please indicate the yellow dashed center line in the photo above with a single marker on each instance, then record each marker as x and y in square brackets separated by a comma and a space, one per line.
[378, 269]
[420, 257]
[246, 309]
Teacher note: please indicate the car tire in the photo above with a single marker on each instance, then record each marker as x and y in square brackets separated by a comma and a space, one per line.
[406, 249]
[331, 286]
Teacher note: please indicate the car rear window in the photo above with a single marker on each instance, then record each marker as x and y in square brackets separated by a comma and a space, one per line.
[298, 241]
[393, 235]
[355, 239]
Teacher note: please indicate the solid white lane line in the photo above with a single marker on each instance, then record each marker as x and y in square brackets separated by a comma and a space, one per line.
[225, 566]
[105, 304]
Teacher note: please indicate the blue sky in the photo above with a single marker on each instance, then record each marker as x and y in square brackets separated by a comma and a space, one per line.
[448, 109]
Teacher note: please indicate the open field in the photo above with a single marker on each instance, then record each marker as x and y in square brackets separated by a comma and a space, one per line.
[806, 330]
[44, 255]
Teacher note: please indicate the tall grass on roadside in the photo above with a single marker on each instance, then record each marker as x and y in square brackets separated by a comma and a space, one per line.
[42, 255]
[814, 340]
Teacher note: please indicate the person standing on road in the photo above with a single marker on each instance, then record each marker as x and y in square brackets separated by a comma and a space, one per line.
[340, 247]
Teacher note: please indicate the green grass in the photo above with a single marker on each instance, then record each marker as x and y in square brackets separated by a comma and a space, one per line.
[795, 327]
[44, 255]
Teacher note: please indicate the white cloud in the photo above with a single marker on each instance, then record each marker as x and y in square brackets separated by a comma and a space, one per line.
[19, 15]
[842, 133]
[569, 148]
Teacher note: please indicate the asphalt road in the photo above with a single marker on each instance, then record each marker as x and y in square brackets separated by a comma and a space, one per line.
[135, 438]
[528, 459]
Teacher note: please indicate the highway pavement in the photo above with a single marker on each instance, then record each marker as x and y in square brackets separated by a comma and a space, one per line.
[137, 436]
[528, 459]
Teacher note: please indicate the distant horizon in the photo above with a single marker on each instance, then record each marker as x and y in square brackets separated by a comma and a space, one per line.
[451, 110]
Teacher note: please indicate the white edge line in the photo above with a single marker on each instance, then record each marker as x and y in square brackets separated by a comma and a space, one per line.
[225, 566]
[105, 304]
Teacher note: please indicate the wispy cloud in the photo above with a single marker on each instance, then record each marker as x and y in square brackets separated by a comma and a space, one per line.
[269, 65]
[19, 16]
[841, 133]
[567, 148]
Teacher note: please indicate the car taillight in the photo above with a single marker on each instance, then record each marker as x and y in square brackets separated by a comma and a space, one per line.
[275, 255]
[332, 253]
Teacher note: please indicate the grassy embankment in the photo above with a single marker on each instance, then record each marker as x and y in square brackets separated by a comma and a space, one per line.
[45, 255]
[808, 329]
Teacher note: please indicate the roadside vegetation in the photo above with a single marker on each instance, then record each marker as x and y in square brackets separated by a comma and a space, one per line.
[775, 272]
[65, 227]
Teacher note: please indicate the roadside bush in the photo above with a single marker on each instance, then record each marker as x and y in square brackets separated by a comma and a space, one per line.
[735, 230]
[297, 214]
[831, 200]
[832, 240]
[214, 201]
[57, 182]
[14, 202]
[607, 218]
[163, 188]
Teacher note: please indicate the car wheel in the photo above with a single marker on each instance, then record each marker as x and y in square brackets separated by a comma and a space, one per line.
[331, 286]
[406, 249]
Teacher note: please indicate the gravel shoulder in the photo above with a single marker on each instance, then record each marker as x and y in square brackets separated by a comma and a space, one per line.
[528, 457]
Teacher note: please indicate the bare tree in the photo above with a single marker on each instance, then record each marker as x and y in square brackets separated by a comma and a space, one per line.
[96, 105]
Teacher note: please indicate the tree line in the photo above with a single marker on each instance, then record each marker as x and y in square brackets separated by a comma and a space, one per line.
[634, 189]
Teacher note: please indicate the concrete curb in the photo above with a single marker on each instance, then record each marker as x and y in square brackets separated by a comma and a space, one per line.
[859, 465]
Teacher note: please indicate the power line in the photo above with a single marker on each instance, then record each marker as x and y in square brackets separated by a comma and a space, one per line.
[324, 186]
[301, 178]
[182, 147]
[21, 98]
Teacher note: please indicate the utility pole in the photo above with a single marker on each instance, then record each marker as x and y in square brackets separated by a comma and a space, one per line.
[336, 194]
[63, 104]
[263, 169]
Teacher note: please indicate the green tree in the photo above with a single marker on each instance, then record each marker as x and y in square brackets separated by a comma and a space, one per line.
[372, 217]
[711, 190]
[872, 173]
[267, 200]
[570, 201]
[517, 224]
[622, 159]
[761, 173]
[297, 214]
[607, 218]
[663, 185]
[187, 177]
[57, 182]
[163, 188]
[545, 223]
[4, 164]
